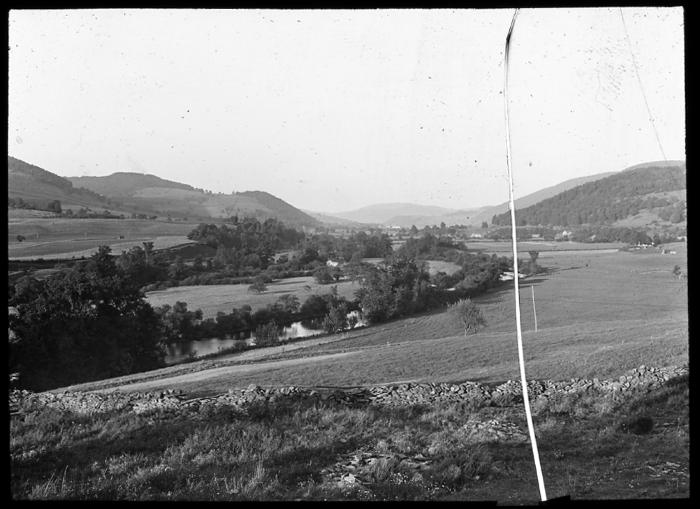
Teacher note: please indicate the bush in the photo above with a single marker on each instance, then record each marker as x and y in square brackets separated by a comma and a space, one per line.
[469, 316]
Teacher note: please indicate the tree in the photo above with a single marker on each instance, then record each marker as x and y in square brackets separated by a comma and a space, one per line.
[20, 238]
[82, 324]
[677, 271]
[258, 285]
[336, 319]
[469, 316]
[323, 275]
[533, 261]
[289, 303]
[267, 334]
[484, 225]
[54, 206]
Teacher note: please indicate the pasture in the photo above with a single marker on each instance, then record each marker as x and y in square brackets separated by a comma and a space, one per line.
[56, 238]
[598, 316]
[214, 298]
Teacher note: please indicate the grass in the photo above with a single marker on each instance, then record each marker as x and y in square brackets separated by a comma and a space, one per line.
[600, 320]
[214, 298]
[502, 246]
[52, 237]
[286, 450]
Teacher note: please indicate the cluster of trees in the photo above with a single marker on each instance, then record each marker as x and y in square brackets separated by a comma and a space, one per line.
[605, 200]
[248, 234]
[432, 247]
[402, 286]
[84, 213]
[673, 213]
[246, 242]
[327, 311]
[83, 323]
[19, 203]
[397, 288]
[323, 247]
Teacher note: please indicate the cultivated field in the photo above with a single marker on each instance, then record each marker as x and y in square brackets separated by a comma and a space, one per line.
[214, 298]
[620, 311]
[52, 238]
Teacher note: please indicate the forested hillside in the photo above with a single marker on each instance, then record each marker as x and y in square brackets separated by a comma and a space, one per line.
[657, 189]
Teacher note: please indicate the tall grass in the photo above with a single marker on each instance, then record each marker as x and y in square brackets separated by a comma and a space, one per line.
[298, 450]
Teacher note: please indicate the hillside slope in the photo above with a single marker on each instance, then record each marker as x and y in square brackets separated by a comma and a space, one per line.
[487, 213]
[125, 184]
[39, 187]
[136, 192]
[657, 188]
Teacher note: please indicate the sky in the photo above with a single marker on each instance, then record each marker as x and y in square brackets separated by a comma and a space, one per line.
[332, 110]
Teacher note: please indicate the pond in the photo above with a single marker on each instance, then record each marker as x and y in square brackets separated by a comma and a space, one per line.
[179, 352]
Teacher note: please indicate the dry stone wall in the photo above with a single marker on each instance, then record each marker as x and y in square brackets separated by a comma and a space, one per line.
[509, 393]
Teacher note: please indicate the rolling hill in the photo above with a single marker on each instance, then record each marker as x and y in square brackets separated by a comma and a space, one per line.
[170, 198]
[39, 187]
[656, 190]
[128, 192]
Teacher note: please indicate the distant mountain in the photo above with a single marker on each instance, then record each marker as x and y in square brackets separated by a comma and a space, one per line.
[656, 189]
[487, 213]
[408, 214]
[166, 197]
[332, 220]
[39, 187]
[383, 212]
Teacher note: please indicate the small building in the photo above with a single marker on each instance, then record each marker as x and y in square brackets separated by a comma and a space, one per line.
[331, 263]
[476, 236]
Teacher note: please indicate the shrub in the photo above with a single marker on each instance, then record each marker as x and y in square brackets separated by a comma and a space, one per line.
[469, 315]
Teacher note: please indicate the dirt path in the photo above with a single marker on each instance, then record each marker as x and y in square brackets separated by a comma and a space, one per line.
[232, 371]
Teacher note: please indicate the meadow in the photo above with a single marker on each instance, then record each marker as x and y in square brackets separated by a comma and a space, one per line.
[56, 238]
[598, 316]
[214, 298]
[505, 246]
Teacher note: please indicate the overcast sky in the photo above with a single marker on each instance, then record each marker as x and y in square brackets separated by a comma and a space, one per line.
[334, 110]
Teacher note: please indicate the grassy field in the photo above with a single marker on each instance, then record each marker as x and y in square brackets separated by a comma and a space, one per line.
[498, 246]
[281, 451]
[214, 298]
[51, 237]
[620, 311]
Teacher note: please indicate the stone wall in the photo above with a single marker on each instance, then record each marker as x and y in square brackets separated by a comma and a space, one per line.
[509, 393]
